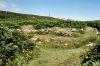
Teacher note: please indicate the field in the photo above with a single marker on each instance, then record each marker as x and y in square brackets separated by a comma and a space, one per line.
[32, 40]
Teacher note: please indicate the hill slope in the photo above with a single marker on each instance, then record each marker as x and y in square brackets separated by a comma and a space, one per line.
[45, 40]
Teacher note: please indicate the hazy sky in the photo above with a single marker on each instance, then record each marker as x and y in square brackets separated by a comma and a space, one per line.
[69, 9]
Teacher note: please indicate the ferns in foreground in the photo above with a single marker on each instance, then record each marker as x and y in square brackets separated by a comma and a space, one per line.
[12, 44]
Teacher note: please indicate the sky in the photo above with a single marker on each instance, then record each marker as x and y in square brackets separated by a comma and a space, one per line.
[68, 9]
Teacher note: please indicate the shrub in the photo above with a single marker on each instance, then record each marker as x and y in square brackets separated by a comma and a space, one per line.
[13, 43]
[92, 58]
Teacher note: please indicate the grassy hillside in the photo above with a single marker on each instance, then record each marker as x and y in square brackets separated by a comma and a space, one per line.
[15, 19]
[32, 40]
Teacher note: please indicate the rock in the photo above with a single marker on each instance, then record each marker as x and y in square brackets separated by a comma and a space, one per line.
[91, 44]
[73, 29]
[98, 33]
[81, 29]
[66, 44]
[34, 39]
[68, 30]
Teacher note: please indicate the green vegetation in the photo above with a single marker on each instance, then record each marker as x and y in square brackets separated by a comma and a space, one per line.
[92, 58]
[60, 48]
[95, 24]
[12, 45]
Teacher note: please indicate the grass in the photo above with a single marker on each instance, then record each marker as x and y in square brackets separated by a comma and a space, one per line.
[57, 54]
[55, 49]
[92, 57]
[57, 57]
[55, 41]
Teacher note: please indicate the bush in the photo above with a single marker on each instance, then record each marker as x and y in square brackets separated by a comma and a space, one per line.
[92, 58]
[13, 43]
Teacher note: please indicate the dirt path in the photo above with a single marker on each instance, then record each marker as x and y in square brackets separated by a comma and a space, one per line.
[58, 57]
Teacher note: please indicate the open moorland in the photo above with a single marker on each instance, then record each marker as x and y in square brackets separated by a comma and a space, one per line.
[32, 40]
